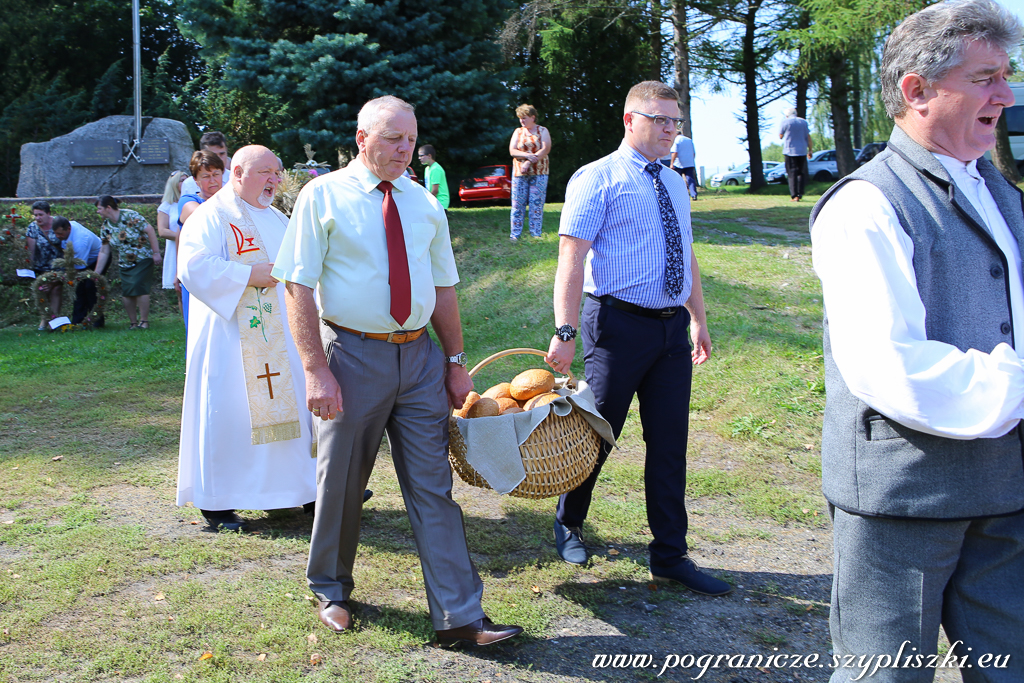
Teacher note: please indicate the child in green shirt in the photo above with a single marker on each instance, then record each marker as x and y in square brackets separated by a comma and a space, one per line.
[436, 182]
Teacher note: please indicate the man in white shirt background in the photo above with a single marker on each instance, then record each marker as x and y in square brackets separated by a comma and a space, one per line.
[919, 255]
[87, 247]
[684, 162]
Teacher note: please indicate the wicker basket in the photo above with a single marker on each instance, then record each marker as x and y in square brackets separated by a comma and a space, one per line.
[558, 455]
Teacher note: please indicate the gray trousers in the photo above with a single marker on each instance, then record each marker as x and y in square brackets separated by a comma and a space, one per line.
[898, 580]
[396, 389]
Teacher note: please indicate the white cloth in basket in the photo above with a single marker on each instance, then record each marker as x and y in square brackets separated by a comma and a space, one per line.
[492, 443]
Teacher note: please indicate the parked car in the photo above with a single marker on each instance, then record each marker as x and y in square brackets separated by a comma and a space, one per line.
[488, 184]
[821, 167]
[738, 175]
[870, 151]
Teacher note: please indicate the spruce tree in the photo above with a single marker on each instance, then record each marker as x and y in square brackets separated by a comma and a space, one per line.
[325, 58]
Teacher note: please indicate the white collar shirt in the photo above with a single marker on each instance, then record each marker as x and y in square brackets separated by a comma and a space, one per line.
[876, 317]
[336, 243]
[973, 186]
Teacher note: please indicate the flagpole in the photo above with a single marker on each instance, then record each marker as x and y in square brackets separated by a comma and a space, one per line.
[137, 55]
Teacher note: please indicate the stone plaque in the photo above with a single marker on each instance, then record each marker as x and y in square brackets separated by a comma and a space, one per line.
[155, 151]
[96, 152]
[47, 171]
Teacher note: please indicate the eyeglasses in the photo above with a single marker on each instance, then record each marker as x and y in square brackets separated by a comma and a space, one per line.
[662, 120]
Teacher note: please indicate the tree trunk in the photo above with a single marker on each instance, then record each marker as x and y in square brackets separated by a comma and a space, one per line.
[839, 74]
[751, 109]
[802, 81]
[857, 119]
[1002, 155]
[681, 63]
[656, 42]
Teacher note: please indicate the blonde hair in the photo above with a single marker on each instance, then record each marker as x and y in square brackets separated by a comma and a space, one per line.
[172, 188]
[524, 110]
[647, 91]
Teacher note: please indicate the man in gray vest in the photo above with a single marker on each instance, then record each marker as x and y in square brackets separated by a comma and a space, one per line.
[919, 255]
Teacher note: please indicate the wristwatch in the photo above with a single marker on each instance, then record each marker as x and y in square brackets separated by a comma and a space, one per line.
[566, 332]
[459, 359]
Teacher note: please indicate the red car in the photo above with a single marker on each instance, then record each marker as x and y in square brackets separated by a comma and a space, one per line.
[488, 184]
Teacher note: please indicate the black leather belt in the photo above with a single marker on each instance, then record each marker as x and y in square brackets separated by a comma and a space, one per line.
[609, 300]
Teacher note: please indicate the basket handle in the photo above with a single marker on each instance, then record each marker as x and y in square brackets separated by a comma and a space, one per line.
[511, 352]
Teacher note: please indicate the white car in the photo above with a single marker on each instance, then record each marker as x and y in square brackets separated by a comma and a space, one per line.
[740, 174]
[821, 167]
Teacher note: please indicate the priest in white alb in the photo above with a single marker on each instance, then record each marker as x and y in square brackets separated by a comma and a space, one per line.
[246, 438]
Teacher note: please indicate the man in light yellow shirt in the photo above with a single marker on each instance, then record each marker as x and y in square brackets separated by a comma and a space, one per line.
[376, 248]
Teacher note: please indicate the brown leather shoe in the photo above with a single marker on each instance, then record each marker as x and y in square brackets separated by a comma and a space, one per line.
[480, 632]
[335, 615]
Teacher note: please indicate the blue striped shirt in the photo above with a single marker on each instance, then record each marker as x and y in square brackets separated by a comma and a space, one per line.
[613, 204]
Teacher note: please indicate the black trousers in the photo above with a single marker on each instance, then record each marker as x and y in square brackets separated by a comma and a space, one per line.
[85, 298]
[625, 355]
[690, 176]
[796, 171]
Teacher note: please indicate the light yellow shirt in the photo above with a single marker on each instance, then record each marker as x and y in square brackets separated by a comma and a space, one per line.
[336, 243]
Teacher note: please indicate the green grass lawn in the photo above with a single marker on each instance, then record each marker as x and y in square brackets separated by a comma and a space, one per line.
[102, 578]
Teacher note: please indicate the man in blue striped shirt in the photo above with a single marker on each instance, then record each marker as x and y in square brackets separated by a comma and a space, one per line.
[626, 242]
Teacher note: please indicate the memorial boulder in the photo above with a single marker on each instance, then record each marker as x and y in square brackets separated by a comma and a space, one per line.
[88, 161]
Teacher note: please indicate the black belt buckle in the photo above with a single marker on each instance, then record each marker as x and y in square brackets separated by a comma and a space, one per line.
[667, 312]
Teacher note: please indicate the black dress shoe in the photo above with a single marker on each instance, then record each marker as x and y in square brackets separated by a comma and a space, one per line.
[687, 573]
[224, 519]
[335, 615]
[480, 632]
[569, 543]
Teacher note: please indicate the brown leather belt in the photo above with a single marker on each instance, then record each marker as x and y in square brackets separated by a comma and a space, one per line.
[399, 337]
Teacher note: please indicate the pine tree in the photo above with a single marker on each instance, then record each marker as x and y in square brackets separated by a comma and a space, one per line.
[325, 58]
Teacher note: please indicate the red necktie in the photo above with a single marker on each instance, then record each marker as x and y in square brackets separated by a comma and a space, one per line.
[398, 262]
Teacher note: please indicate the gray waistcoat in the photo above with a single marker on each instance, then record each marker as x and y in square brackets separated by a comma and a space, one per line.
[872, 465]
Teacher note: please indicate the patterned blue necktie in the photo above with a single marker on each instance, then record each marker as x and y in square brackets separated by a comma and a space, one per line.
[675, 267]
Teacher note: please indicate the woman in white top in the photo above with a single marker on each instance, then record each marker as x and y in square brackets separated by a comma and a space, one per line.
[167, 226]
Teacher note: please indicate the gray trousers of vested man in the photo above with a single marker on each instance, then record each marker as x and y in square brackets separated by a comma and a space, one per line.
[897, 580]
[396, 389]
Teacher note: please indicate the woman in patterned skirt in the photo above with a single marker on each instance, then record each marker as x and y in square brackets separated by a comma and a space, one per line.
[137, 249]
[529, 147]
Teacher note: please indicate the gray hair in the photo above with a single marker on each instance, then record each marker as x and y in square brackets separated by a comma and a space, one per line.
[932, 42]
[790, 112]
[372, 113]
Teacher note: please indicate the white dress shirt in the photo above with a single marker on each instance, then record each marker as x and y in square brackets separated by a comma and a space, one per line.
[876, 318]
[336, 242]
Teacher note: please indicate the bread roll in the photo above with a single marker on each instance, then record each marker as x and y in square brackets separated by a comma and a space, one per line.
[513, 410]
[506, 403]
[484, 407]
[530, 383]
[471, 398]
[540, 400]
[498, 391]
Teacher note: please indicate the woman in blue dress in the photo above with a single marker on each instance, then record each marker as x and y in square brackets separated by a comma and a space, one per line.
[207, 170]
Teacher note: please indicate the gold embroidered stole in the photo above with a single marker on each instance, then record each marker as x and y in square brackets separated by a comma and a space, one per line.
[273, 409]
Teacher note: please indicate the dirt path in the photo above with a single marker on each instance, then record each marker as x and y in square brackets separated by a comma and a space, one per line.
[781, 574]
